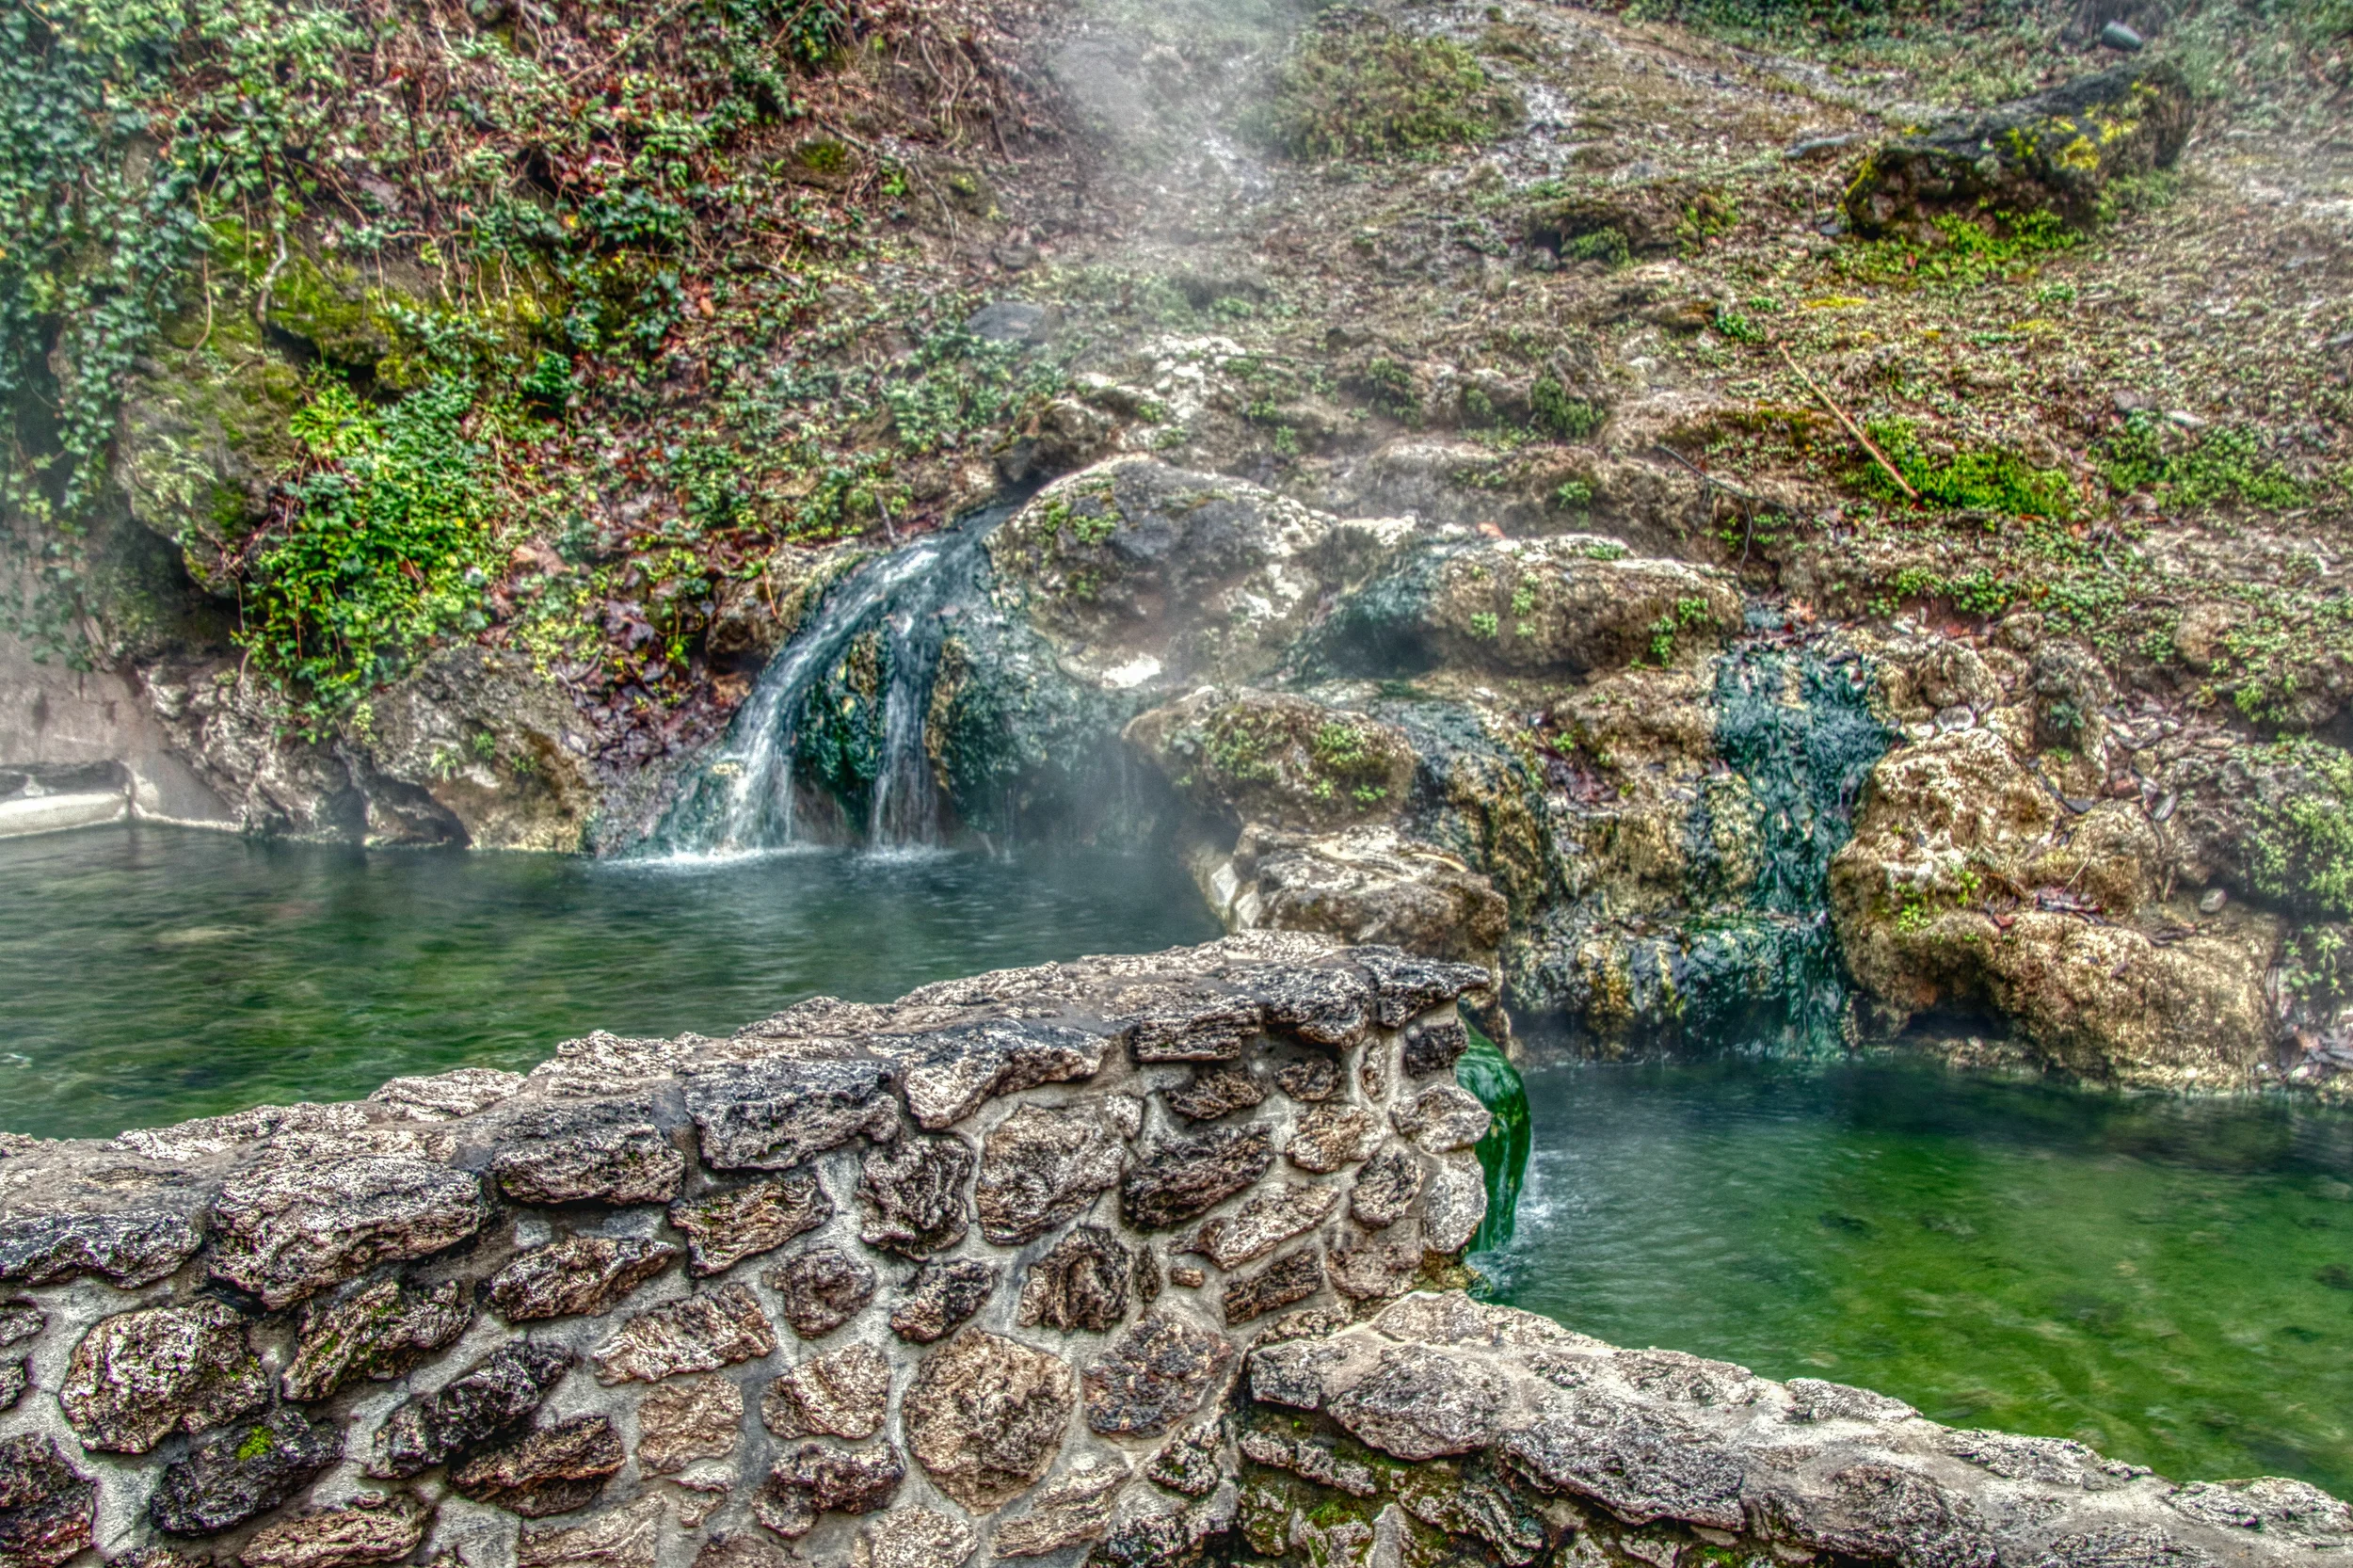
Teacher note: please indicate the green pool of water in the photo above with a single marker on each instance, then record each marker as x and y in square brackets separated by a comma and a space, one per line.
[2170, 1281]
[151, 974]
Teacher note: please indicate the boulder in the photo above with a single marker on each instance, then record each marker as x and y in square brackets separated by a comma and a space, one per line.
[2056, 151]
[1265, 757]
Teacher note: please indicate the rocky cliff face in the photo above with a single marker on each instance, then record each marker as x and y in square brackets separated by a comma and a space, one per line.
[1136, 1261]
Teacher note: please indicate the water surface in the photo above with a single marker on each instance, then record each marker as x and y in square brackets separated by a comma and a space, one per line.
[149, 974]
[2170, 1281]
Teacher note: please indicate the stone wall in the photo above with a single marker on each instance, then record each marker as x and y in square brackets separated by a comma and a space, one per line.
[1137, 1260]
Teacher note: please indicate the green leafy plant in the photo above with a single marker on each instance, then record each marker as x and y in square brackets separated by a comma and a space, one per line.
[381, 546]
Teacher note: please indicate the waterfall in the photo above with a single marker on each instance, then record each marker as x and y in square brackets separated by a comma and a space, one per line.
[839, 711]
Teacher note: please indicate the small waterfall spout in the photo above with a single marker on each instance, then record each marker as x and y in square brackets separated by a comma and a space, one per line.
[837, 717]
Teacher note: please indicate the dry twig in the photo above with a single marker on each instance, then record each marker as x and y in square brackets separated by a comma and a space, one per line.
[1853, 428]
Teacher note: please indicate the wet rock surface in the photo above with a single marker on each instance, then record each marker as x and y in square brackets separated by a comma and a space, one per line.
[228, 1477]
[483, 1401]
[552, 1469]
[574, 1154]
[771, 1115]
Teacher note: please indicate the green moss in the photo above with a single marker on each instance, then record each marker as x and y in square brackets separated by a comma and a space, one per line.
[1558, 414]
[2300, 834]
[1971, 478]
[256, 1443]
[1359, 89]
[2196, 469]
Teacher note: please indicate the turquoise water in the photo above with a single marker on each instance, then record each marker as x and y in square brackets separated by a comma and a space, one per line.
[2170, 1281]
[149, 974]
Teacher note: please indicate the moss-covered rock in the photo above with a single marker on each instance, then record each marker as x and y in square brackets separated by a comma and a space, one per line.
[1971, 886]
[1262, 756]
[2057, 152]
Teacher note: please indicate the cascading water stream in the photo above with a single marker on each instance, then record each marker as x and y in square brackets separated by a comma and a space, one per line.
[886, 620]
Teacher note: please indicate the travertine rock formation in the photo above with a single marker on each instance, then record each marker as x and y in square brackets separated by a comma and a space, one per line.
[1131, 1261]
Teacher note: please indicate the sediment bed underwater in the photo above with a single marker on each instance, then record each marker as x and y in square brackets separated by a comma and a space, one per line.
[2167, 1280]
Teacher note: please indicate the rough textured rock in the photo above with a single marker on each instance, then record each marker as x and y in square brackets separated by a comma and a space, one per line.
[1069, 1510]
[1969, 887]
[1453, 1205]
[1213, 1093]
[552, 1469]
[1040, 1166]
[1290, 1278]
[228, 1477]
[288, 1230]
[2056, 152]
[46, 1505]
[700, 1334]
[1332, 1136]
[772, 1114]
[940, 1297]
[584, 1274]
[1433, 1046]
[1384, 1191]
[686, 1420]
[572, 1154]
[914, 1196]
[1272, 758]
[1263, 1222]
[629, 1537]
[913, 1538]
[137, 1376]
[949, 1073]
[1309, 1081]
[821, 1289]
[370, 1529]
[378, 1331]
[1154, 1374]
[494, 1393]
[1443, 1119]
[725, 1228]
[1186, 1022]
[135, 1247]
[843, 1393]
[814, 1479]
[1188, 1462]
[1185, 1177]
[1083, 1282]
[1418, 1404]
[986, 1416]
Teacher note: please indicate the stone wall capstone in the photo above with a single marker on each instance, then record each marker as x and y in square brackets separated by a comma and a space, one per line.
[1136, 1260]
